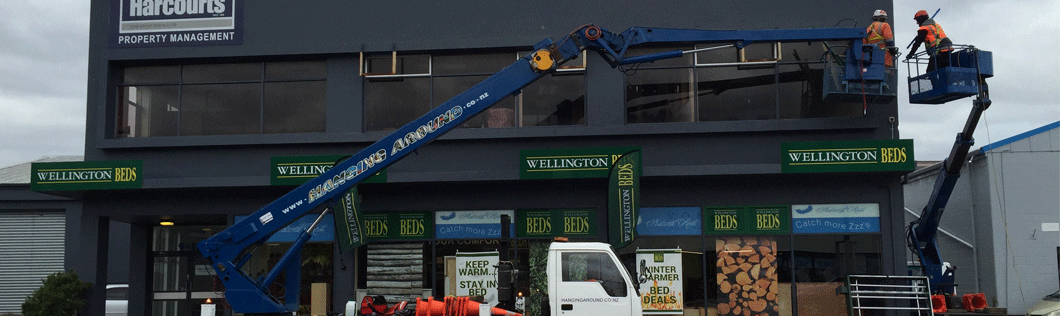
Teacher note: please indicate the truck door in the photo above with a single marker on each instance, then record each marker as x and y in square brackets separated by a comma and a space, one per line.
[591, 283]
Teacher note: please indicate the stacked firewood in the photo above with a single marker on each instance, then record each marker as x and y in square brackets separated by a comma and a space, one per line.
[747, 276]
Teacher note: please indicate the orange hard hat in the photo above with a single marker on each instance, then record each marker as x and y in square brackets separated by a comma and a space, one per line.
[920, 13]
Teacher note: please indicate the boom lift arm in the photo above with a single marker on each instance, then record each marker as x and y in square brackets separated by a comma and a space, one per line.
[228, 250]
[921, 233]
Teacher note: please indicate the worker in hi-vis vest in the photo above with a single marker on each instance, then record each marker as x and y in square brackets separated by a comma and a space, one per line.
[937, 45]
[879, 33]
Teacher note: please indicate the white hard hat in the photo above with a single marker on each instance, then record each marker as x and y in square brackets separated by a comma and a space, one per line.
[879, 13]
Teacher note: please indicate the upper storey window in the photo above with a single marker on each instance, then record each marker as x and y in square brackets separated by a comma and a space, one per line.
[222, 99]
[765, 81]
[401, 88]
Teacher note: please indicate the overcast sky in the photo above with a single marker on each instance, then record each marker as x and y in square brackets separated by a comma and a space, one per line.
[44, 52]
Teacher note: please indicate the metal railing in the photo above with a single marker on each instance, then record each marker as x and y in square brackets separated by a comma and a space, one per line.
[883, 292]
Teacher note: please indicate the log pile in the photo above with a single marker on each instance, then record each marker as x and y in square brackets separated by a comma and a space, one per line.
[395, 271]
[747, 276]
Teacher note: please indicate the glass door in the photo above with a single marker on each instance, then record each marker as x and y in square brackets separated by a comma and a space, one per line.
[182, 279]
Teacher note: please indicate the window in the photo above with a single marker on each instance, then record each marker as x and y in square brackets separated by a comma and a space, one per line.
[749, 273]
[181, 278]
[594, 267]
[401, 88]
[762, 81]
[821, 263]
[222, 99]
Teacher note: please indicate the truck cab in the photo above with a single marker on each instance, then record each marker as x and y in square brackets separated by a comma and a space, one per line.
[586, 278]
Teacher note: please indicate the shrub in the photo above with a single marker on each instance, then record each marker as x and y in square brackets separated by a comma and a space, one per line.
[63, 294]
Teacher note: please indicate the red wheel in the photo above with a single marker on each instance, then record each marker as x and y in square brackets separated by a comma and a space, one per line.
[592, 33]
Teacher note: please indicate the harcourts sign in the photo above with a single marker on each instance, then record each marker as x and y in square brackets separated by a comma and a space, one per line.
[153, 23]
[86, 175]
[848, 156]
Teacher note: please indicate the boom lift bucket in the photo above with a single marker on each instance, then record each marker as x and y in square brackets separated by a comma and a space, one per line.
[961, 79]
[866, 79]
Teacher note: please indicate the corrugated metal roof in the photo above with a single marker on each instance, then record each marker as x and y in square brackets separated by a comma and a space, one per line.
[19, 174]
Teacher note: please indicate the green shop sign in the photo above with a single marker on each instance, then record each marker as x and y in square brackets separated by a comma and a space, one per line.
[747, 220]
[295, 170]
[555, 223]
[395, 226]
[569, 163]
[848, 156]
[86, 175]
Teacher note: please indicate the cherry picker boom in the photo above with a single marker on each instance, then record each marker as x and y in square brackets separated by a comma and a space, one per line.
[227, 251]
[966, 76]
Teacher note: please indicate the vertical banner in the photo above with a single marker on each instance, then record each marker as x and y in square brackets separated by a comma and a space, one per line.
[664, 291]
[623, 198]
[348, 220]
[476, 275]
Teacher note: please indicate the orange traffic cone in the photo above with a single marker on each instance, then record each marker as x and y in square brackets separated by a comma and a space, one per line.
[455, 306]
[938, 304]
[973, 302]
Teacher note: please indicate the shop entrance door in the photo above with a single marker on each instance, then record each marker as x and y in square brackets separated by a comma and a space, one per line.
[182, 279]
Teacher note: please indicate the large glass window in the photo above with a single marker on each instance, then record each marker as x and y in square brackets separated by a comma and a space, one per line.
[222, 99]
[401, 88]
[593, 267]
[763, 81]
[750, 276]
[822, 262]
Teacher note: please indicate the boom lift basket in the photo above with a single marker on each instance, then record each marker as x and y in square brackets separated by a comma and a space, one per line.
[868, 80]
[959, 80]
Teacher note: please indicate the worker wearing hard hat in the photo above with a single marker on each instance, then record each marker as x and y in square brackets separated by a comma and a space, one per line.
[879, 33]
[937, 45]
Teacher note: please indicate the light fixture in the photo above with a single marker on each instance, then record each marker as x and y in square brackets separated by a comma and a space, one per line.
[166, 223]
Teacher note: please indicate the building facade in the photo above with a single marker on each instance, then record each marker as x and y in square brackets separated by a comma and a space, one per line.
[204, 111]
[33, 234]
[1000, 225]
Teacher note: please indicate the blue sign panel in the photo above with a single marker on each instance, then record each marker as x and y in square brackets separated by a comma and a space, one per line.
[835, 218]
[670, 221]
[324, 232]
[471, 224]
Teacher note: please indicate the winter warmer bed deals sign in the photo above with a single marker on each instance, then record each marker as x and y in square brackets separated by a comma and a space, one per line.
[662, 293]
[476, 274]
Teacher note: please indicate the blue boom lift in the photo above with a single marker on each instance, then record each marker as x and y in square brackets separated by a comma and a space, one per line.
[229, 250]
[966, 76]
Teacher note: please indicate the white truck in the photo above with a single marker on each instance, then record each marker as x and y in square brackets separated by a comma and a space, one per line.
[584, 278]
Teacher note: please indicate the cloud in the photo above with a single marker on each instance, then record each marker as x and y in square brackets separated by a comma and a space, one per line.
[1026, 70]
[43, 79]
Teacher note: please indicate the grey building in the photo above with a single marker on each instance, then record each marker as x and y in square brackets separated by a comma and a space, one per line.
[198, 113]
[1000, 226]
[34, 233]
